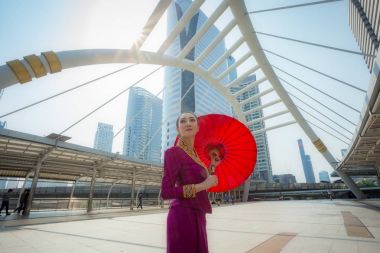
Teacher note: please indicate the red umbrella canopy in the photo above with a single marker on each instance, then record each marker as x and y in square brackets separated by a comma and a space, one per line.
[236, 145]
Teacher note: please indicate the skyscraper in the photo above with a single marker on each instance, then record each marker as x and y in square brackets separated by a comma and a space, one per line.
[198, 95]
[3, 124]
[306, 164]
[142, 137]
[263, 169]
[343, 151]
[364, 21]
[287, 179]
[324, 177]
[233, 74]
[104, 137]
[3, 183]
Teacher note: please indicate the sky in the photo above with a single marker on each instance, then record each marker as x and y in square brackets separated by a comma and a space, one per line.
[31, 27]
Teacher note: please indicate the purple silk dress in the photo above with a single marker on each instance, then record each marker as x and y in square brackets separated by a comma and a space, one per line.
[186, 222]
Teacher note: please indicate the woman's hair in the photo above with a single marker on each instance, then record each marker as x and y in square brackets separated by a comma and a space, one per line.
[177, 121]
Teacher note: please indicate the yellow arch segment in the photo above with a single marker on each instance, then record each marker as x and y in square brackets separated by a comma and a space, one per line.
[35, 63]
[320, 145]
[20, 71]
[53, 61]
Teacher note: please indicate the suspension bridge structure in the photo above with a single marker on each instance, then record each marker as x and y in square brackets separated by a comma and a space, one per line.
[24, 155]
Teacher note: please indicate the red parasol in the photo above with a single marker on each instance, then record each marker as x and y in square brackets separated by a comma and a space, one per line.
[236, 146]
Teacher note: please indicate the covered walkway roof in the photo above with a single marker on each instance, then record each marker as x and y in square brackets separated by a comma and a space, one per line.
[363, 157]
[19, 154]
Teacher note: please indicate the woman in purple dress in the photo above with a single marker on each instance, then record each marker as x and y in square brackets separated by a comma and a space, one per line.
[185, 181]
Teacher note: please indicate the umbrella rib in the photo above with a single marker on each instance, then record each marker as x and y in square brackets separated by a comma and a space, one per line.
[229, 136]
[242, 136]
[232, 136]
[225, 130]
[238, 171]
[242, 164]
[226, 178]
[238, 146]
[239, 156]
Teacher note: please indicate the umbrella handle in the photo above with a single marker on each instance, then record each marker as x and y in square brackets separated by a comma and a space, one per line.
[212, 169]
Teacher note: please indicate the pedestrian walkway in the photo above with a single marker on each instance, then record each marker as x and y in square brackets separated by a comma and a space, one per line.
[255, 227]
[43, 217]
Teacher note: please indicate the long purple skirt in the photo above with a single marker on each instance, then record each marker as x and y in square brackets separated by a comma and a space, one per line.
[186, 231]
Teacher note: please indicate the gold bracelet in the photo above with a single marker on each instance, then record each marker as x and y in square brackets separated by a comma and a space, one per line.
[189, 191]
[212, 169]
[194, 190]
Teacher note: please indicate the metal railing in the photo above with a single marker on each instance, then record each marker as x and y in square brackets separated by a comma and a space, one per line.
[262, 187]
[60, 204]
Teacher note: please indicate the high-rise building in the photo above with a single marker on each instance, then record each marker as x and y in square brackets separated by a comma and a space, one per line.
[276, 178]
[306, 164]
[3, 124]
[3, 183]
[263, 169]
[184, 91]
[104, 137]
[364, 21]
[343, 151]
[287, 179]
[324, 177]
[233, 74]
[142, 137]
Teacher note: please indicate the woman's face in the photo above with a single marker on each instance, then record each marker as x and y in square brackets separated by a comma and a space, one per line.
[187, 125]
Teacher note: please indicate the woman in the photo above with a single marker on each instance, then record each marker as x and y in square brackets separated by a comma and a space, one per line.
[186, 180]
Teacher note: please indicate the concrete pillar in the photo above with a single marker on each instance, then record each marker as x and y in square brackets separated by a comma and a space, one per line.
[160, 201]
[72, 194]
[41, 159]
[23, 186]
[109, 193]
[133, 189]
[89, 203]
[351, 185]
[377, 166]
[247, 184]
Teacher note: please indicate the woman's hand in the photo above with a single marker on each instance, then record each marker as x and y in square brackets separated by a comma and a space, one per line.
[214, 157]
[215, 160]
[209, 182]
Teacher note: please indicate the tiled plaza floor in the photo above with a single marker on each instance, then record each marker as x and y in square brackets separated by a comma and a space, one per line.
[273, 226]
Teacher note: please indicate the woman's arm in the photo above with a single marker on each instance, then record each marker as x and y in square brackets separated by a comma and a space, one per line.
[210, 181]
[171, 171]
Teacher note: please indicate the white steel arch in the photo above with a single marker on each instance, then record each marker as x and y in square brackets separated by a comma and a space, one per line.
[78, 58]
